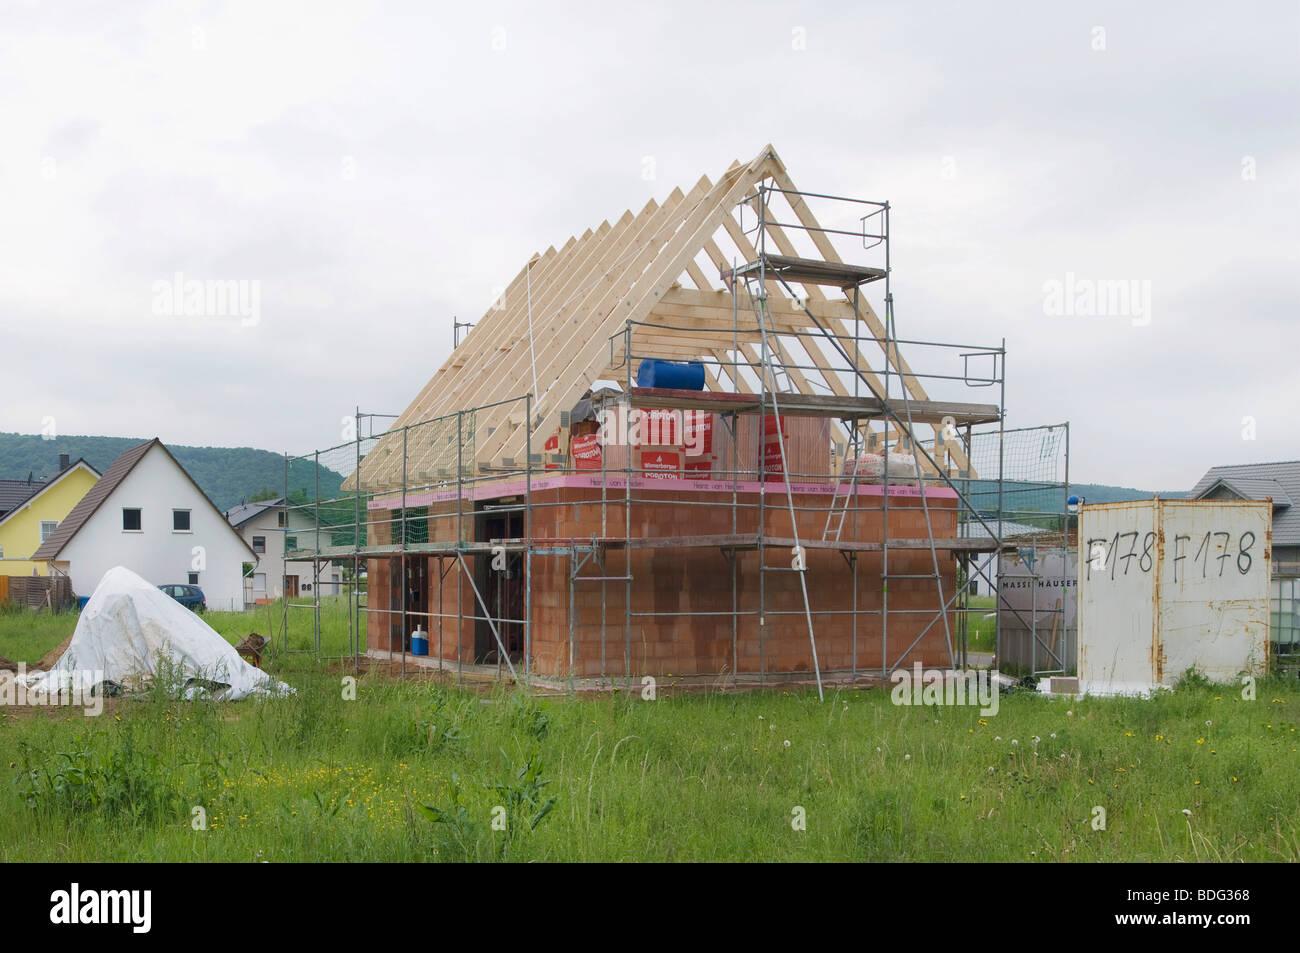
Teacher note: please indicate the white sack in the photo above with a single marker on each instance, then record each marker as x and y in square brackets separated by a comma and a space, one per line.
[870, 468]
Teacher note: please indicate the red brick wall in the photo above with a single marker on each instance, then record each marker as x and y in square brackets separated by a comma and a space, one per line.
[699, 580]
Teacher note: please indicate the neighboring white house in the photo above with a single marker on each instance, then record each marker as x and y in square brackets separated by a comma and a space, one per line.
[263, 527]
[147, 514]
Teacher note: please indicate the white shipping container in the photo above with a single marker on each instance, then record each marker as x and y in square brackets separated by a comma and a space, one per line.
[1169, 585]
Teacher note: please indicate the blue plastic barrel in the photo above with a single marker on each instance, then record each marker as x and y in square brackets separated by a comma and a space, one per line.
[81, 602]
[419, 642]
[686, 375]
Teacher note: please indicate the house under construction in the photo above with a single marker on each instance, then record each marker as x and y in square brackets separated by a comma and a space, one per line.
[682, 444]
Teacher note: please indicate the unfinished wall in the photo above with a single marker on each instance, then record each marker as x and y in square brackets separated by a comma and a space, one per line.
[699, 580]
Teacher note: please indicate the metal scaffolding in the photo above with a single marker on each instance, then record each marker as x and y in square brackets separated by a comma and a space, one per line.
[480, 521]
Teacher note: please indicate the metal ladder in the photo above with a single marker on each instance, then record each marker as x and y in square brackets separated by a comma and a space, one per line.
[768, 365]
[781, 382]
[835, 516]
[771, 360]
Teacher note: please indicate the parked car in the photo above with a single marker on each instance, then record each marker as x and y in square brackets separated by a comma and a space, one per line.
[191, 597]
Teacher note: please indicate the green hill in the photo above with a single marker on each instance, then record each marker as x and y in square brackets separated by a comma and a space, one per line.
[226, 474]
[1103, 493]
[1025, 498]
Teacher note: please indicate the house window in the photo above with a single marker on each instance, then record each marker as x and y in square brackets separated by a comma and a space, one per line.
[180, 521]
[291, 542]
[1285, 612]
[259, 544]
[130, 520]
[259, 581]
[47, 529]
[279, 518]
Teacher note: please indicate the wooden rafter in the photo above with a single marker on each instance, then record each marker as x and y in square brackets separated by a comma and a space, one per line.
[559, 320]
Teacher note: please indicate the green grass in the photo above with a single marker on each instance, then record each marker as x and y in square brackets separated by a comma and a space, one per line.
[982, 632]
[27, 636]
[685, 777]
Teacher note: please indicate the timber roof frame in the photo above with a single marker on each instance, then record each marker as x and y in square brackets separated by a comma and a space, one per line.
[558, 322]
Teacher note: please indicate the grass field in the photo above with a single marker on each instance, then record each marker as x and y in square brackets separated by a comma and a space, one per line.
[982, 632]
[419, 771]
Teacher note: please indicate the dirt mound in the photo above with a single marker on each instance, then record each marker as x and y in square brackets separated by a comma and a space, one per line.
[7, 666]
[49, 658]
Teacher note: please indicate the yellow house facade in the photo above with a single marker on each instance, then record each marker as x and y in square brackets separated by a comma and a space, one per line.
[31, 521]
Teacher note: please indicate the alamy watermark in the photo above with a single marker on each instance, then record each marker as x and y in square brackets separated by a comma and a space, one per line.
[78, 689]
[938, 687]
[1098, 298]
[193, 298]
[624, 427]
[123, 907]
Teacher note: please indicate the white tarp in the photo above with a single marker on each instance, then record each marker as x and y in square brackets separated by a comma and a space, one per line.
[130, 628]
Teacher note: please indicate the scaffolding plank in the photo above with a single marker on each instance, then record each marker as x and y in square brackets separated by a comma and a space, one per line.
[812, 271]
[717, 541]
[816, 405]
[751, 541]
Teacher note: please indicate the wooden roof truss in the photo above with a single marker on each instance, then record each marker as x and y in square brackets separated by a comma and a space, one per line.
[562, 322]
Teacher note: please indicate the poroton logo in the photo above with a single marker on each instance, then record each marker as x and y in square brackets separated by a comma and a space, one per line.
[77, 906]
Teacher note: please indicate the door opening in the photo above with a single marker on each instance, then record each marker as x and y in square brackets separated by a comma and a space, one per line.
[502, 589]
[413, 592]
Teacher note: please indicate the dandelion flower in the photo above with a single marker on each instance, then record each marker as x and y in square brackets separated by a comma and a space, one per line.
[1187, 812]
[787, 742]
[907, 757]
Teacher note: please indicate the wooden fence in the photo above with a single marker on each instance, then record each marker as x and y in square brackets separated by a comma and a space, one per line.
[37, 592]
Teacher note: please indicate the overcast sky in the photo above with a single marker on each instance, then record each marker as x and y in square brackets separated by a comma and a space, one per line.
[380, 167]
